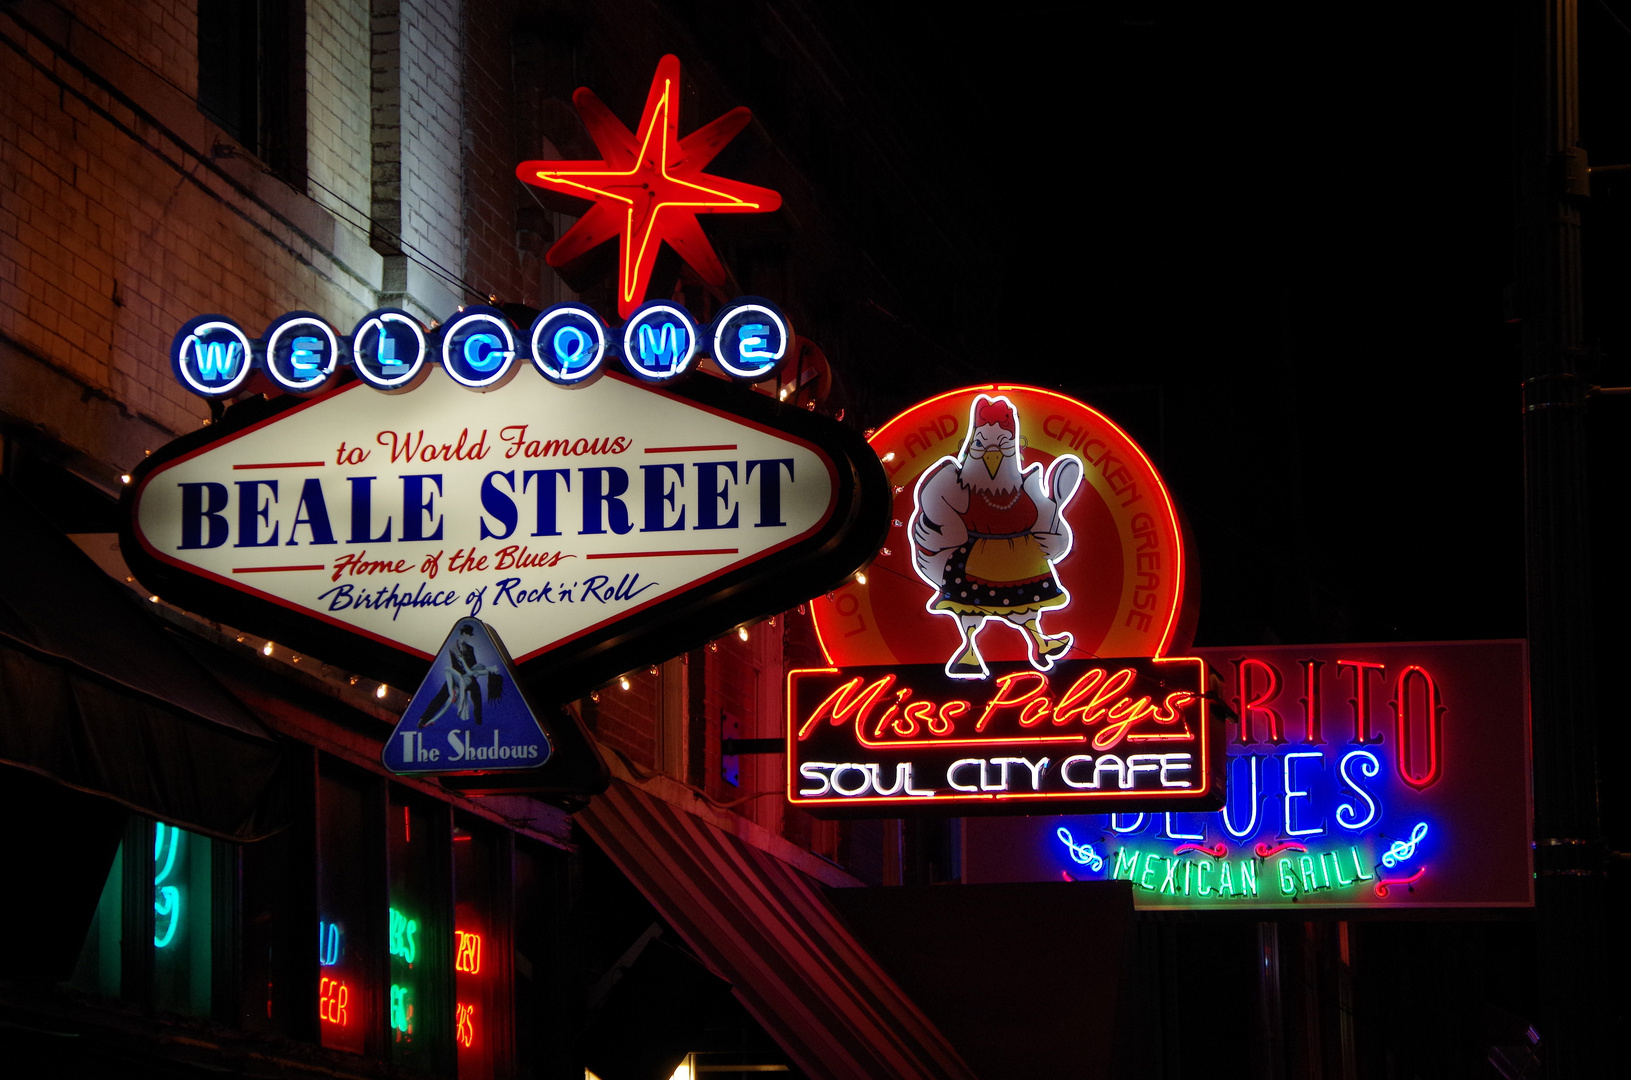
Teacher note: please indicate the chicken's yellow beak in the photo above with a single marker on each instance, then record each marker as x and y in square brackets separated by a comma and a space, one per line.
[993, 461]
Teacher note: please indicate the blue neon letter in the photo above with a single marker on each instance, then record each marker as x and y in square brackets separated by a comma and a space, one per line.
[572, 346]
[752, 342]
[1369, 766]
[661, 346]
[305, 353]
[480, 360]
[217, 359]
[1292, 794]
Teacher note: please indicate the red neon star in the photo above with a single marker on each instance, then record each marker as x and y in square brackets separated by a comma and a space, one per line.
[649, 188]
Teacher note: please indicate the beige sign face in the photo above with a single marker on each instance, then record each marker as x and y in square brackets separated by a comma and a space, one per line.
[544, 512]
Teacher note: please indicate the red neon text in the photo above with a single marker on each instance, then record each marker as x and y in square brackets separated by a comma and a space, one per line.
[1417, 704]
[1251, 703]
[465, 1029]
[469, 952]
[1361, 699]
[1432, 743]
[849, 701]
[332, 998]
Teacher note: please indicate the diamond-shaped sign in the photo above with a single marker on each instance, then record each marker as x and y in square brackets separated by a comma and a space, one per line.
[596, 529]
[469, 714]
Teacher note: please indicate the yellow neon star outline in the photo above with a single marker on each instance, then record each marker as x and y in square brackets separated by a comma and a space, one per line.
[630, 266]
[634, 251]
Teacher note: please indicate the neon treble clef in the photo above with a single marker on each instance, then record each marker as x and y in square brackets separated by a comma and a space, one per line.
[1405, 849]
[1082, 853]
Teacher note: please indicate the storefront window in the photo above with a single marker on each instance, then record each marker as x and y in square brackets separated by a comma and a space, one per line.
[182, 920]
[418, 960]
[99, 970]
[344, 900]
[480, 975]
[540, 1020]
[272, 881]
[168, 870]
[420, 1017]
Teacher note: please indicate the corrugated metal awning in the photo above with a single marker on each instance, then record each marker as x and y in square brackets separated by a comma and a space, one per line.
[767, 929]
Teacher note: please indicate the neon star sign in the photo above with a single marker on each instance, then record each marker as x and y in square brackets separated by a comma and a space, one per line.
[649, 187]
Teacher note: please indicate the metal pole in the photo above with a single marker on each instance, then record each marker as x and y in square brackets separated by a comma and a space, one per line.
[1568, 841]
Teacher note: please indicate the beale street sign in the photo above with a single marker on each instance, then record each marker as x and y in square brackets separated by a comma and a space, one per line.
[594, 529]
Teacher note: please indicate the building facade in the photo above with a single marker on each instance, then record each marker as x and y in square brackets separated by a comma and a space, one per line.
[319, 916]
[218, 875]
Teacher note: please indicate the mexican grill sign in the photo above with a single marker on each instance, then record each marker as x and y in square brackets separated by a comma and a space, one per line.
[615, 523]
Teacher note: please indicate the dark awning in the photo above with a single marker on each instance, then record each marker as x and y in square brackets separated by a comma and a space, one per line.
[768, 930]
[96, 694]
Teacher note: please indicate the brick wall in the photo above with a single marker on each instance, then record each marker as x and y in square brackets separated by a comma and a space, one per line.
[338, 107]
[432, 218]
[626, 720]
[160, 34]
[120, 219]
[490, 152]
[118, 222]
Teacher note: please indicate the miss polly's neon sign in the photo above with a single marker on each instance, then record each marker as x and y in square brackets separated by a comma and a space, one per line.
[1133, 731]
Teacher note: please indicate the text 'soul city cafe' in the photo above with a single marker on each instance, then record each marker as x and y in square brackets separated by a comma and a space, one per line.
[884, 741]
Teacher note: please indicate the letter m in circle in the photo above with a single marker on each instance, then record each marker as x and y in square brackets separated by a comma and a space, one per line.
[660, 350]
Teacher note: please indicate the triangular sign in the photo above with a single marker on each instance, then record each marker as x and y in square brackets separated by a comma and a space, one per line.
[469, 715]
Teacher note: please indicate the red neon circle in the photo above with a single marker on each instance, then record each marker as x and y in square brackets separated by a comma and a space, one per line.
[1125, 573]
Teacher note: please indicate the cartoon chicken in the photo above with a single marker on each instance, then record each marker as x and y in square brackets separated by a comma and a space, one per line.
[986, 534]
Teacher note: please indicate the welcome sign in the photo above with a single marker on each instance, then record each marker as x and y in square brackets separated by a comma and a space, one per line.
[365, 528]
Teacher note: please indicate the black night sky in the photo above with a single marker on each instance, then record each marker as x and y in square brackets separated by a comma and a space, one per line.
[1274, 246]
[1277, 243]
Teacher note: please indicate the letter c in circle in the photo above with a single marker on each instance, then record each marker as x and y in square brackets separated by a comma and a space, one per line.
[481, 360]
